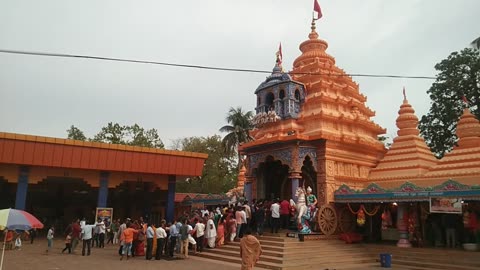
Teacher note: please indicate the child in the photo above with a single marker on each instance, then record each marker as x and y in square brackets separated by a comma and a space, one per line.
[18, 242]
[50, 238]
[9, 240]
[68, 243]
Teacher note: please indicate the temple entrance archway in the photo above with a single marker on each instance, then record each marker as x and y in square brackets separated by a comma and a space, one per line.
[272, 179]
[309, 175]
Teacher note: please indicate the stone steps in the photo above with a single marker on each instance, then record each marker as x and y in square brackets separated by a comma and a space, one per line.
[288, 253]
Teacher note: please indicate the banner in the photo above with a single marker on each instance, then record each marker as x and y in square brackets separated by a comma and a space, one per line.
[198, 205]
[446, 205]
[105, 214]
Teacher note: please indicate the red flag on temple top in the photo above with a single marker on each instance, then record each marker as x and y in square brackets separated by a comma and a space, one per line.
[279, 55]
[280, 50]
[464, 99]
[316, 8]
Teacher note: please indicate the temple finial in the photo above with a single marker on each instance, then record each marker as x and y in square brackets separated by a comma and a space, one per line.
[404, 95]
[313, 34]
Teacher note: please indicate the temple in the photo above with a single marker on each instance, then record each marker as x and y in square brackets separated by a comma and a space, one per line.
[313, 128]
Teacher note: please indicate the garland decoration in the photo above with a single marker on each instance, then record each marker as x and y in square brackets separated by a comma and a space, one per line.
[354, 212]
[361, 212]
[363, 209]
[375, 210]
[361, 217]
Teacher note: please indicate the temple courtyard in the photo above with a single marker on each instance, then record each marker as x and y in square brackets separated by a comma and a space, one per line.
[278, 253]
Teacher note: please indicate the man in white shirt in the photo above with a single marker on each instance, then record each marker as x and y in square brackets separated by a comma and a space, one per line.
[150, 234]
[275, 208]
[120, 233]
[101, 233]
[248, 213]
[86, 235]
[205, 212]
[191, 240]
[199, 234]
[161, 235]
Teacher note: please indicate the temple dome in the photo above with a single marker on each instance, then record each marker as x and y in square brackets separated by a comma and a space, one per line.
[313, 49]
[463, 162]
[277, 76]
[408, 157]
[334, 108]
[468, 130]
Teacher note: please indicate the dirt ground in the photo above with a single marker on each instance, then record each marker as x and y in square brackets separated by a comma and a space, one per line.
[33, 256]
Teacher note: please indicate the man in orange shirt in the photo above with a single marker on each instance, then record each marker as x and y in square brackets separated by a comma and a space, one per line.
[127, 236]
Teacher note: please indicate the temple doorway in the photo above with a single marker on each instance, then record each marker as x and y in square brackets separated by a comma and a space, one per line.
[135, 199]
[309, 175]
[272, 180]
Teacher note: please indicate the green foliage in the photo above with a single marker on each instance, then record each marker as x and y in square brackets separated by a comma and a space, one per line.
[240, 123]
[385, 140]
[141, 137]
[459, 75]
[74, 133]
[219, 172]
[112, 133]
[116, 134]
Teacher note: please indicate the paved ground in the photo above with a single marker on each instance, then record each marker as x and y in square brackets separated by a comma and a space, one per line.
[34, 257]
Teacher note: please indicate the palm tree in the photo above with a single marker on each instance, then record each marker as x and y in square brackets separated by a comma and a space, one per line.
[240, 123]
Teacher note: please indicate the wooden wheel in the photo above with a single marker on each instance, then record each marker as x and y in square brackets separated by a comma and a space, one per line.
[346, 220]
[327, 219]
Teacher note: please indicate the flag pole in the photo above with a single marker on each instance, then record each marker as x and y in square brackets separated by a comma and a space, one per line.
[3, 250]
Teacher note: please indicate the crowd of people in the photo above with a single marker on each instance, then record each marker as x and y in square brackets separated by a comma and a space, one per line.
[193, 231]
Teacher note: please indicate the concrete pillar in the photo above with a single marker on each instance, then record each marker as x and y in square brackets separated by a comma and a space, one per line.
[295, 184]
[295, 178]
[103, 190]
[247, 189]
[170, 198]
[22, 188]
[402, 226]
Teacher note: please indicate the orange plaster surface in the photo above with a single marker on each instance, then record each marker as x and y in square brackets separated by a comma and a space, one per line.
[409, 158]
[61, 157]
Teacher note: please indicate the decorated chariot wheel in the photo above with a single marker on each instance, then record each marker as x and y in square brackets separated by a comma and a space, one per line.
[346, 220]
[327, 219]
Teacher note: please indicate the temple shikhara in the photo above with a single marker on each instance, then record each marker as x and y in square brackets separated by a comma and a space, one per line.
[314, 129]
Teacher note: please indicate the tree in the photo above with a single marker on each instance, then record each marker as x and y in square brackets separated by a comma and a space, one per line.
[458, 77]
[116, 134]
[112, 133]
[140, 137]
[219, 171]
[74, 133]
[240, 123]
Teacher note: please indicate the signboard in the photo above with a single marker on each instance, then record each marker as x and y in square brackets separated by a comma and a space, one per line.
[105, 214]
[406, 196]
[198, 205]
[446, 205]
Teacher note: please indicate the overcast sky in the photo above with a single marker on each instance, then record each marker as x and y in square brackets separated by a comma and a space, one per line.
[45, 95]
